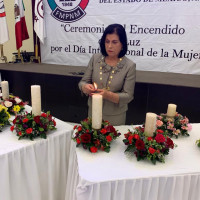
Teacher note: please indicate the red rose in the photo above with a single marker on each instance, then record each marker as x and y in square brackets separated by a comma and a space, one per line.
[86, 138]
[37, 119]
[93, 149]
[160, 131]
[97, 142]
[54, 122]
[151, 150]
[29, 130]
[103, 131]
[43, 115]
[75, 127]
[109, 138]
[136, 136]
[130, 138]
[79, 128]
[25, 120]
[14, 121]
[20, 133]
[78, 140]
[110, 129]
[139, 144]
[85, 120]
[170, 143]
[160, 138]
[142, 129]
[12, 128]
[126, 135]
[149, 138]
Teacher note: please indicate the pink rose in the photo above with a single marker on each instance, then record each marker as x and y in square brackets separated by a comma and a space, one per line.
[159, 123]
[189, 127]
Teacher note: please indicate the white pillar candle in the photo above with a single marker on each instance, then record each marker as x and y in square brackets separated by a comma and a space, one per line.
[150, 124]
[36, 99]
[5, 89]
[97, 104]
[171, 111]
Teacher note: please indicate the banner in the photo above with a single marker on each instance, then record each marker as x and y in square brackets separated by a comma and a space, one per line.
[39, 20]
[4, 35]
[21, 32]
[162, 35]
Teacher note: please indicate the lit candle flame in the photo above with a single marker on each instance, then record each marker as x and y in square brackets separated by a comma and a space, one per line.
[95, 85]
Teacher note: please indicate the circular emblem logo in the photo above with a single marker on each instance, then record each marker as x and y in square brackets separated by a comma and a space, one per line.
[68, 11]
[40, 9]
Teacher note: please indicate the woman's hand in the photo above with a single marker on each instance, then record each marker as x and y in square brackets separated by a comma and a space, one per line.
[88, 89]
[111, 96]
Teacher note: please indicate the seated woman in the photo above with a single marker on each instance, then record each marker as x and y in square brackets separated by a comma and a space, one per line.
[114, 75]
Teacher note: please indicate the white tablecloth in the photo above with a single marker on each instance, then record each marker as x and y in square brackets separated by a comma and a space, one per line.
[35, 170]
[119, 176]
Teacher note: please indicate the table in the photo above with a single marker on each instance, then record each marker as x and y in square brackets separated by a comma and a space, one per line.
[119, 176]
[35, 170]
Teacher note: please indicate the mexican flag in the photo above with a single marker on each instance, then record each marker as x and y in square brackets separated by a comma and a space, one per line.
[21, 32]
[4, 36]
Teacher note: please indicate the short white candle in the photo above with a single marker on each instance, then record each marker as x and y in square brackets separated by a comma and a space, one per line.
[5, 89]
[36, 99]
[97, 104]
[150, 124]
[171, 111]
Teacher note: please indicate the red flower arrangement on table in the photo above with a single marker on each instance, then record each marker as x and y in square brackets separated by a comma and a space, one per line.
[176, 126]
[152, 148]
[30, 126]
[14, 104]
[93, 139]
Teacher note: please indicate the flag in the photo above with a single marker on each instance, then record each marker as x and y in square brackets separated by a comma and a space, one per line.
[39, 20]
[21, 32]
[4, 35]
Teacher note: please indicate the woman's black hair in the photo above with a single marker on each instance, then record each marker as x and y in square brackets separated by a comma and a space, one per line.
[120, 31]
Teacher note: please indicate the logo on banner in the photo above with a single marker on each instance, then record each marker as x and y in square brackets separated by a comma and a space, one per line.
[68, 11]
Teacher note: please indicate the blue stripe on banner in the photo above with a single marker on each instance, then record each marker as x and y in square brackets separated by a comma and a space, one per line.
[52, 4]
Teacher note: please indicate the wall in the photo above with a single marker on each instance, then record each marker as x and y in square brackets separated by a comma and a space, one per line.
[10, 46]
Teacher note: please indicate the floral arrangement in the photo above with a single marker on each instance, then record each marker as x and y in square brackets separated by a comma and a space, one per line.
[30, 126]
[4, 117]
[14, 104]
[179, 125]
[152, 148]
[93, 139]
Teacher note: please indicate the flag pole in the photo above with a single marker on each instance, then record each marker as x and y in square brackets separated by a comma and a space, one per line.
[18, 53]
[19, 57]
[36, 47]
[3, 58]
[36, 57]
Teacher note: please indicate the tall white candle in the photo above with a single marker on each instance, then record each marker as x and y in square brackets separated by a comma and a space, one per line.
[150, 124]
[97, 104]
[171, 111]
[36, 99]
[5, 89]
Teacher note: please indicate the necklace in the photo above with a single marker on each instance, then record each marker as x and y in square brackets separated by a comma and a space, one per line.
[112, 71]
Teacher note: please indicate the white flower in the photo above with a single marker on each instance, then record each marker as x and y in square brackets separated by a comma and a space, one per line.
[8, 104]
[18, 100]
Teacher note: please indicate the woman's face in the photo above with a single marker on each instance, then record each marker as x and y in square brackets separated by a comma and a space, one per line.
[113, 45]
